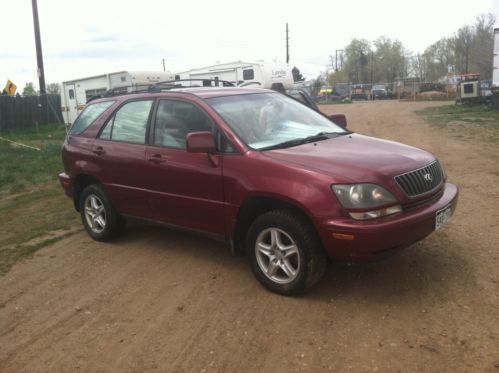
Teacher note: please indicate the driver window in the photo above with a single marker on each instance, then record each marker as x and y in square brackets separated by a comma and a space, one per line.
[175, 119]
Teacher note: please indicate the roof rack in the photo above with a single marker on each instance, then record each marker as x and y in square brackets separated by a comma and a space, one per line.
[160, 86]
[225, 83]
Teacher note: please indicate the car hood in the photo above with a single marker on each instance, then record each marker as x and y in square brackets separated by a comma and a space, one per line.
[355, 158]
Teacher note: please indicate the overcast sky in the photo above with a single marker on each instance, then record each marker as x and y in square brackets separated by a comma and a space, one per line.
[91, 37]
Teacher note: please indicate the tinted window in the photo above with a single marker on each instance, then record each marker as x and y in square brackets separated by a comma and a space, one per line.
[88, 116]
[175, 119]
[129, 124]
[248, 74]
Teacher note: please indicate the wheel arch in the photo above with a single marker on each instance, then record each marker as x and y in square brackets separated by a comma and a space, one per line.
[255, 206]
[80, 183]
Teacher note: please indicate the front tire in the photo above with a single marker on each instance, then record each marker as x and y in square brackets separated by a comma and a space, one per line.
[98, 216]
[285, 253]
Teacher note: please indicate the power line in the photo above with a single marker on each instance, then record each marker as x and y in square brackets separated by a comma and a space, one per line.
[153, 24]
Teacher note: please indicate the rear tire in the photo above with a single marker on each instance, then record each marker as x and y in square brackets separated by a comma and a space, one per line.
[285, 252]
[98, 216]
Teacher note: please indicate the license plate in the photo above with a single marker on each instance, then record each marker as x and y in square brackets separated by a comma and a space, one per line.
[442, 217]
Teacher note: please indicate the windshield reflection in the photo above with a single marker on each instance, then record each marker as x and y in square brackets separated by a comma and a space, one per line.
[263, 120]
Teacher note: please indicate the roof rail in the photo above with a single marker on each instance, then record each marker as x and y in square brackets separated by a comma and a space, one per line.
[225, 83]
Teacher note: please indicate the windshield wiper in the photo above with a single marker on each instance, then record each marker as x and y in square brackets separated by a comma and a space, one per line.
[287, 144]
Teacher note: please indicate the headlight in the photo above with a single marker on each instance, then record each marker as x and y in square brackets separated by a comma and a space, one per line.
[366, 196]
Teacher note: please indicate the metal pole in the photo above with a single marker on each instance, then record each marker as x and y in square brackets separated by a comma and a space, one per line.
[164, 68]
[372, 67]
[39, 55]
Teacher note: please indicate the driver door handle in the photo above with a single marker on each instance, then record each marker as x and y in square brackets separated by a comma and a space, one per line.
[156, 158]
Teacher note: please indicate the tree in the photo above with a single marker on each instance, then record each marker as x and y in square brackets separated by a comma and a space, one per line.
[482, 49]
[469, 50]
[356, 61]
[463, 42]
[297, 76]
[438, 58]
[53, 89]
[29, 90]
[389, 60]
[418, 66]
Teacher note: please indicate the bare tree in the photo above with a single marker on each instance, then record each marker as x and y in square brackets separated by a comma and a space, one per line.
[53, 89]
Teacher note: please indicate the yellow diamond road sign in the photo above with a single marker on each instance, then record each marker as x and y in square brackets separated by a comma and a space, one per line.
[10, 88]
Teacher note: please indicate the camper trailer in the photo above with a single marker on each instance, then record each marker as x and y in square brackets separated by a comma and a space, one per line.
[495, 71]
[253, 74]
[76, 93]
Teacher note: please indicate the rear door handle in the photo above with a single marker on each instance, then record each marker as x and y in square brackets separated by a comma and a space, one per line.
[99, 150]
[156, 158]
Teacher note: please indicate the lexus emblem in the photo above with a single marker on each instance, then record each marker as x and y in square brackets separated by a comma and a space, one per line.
[428, 177]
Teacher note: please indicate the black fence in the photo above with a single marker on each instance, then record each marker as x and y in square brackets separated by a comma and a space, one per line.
[29, 111]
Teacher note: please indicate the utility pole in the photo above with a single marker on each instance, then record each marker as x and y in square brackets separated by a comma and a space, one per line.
[372, 66]
[164, 68]
[287, 44]
[39, 55]
[336, 59]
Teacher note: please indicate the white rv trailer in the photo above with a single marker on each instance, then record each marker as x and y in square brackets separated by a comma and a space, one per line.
[495, 71]
[75, 93]
[254, 74]
[495, 67]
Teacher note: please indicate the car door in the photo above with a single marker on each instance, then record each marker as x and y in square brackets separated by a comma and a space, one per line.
[120, 149]
[186, 188]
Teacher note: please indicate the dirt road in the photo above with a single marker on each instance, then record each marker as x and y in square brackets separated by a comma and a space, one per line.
[157, 300]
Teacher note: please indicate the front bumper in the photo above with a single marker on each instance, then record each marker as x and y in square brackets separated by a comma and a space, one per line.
[379, 237]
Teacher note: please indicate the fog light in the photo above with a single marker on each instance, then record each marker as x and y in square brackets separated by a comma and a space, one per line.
[367, 215]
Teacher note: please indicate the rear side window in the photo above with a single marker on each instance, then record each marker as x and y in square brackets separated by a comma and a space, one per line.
[129, 124]
[88, 116]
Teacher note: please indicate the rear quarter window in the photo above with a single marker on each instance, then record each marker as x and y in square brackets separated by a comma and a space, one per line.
[88, 116]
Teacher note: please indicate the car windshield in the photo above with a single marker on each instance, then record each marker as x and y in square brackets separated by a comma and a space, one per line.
[265, 120]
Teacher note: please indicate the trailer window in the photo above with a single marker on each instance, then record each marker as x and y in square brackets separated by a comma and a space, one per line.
[468, 88]
[88, 116]
[89, 93]
[71, 93]
[248, 74]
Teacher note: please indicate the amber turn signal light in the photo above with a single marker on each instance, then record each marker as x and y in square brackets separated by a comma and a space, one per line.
[344, 237]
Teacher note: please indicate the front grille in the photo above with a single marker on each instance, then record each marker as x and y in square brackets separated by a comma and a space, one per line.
[421, 181]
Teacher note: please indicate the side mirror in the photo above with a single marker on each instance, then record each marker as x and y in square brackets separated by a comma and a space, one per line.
[200, 142]
[339, 119]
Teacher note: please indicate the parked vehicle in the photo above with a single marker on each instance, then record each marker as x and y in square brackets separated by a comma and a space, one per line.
[253, 74]
[75, 93]
[379, 92]
[273, 178]
[342, 90]
[469, 90]
[360, 91]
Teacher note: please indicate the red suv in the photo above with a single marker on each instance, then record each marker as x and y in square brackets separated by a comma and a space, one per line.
[273, 178]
